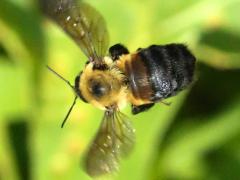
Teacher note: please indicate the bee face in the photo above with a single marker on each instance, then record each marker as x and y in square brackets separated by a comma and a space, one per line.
[102, 88]
[98, 87]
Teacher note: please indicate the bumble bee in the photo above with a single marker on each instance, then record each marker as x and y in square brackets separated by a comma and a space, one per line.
[141, 78]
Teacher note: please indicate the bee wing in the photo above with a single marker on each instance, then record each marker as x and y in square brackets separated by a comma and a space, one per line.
[82, 22]
[115, 139]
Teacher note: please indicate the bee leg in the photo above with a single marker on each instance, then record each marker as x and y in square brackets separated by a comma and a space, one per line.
[166, 103]
[117, 50]
[141, 108]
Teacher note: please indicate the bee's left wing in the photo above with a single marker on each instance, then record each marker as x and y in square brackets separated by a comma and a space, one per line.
[115, 139]
[82, 22]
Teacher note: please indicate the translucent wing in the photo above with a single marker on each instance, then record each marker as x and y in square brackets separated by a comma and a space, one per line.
[114, 140]
[82, 22]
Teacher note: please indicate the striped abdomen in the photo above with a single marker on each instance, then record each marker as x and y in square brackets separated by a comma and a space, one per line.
[158, 72]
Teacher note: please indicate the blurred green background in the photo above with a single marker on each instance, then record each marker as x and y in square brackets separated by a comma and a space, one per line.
[196, 137]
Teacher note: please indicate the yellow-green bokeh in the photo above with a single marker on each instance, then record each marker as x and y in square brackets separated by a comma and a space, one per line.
[196, 137]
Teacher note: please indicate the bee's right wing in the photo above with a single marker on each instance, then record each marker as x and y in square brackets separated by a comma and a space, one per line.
[82, 22]
[114, 140]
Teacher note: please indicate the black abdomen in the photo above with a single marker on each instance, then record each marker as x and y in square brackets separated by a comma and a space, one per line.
[167, 70]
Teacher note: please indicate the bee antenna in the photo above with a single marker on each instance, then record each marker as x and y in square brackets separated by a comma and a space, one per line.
[74, 102]
[58, 75]
[69, 111]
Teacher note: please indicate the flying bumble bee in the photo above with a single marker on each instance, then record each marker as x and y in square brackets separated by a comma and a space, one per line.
[142, 78]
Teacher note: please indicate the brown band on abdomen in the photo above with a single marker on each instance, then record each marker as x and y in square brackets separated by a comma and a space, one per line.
[138, 77]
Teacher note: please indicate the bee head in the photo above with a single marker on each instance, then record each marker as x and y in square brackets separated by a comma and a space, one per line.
[101, 87]
[98, 86]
